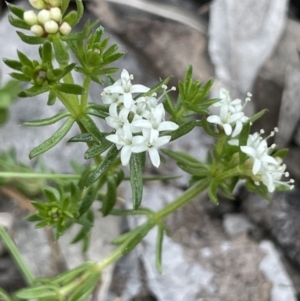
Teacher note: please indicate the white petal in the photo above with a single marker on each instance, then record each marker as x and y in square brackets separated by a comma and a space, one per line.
[125, 74]
[227, 129]
[127, 100]
[113, 138]
[139, 89]
[248, 151]
[142, 123]
[168, 126]
[237, 129]
[125, 154]
[139, 148]
[114, 89]
[256, 166]
[162, 141]
[214, 119]
[154, 156]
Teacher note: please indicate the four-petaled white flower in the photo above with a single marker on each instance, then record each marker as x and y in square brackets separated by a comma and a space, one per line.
[124, 87]
[231, 116]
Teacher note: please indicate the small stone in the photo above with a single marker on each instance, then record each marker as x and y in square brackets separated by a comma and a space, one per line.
[236, 224]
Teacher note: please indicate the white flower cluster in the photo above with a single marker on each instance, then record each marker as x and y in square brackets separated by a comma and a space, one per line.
[266, 168]
[231, 116]
[47, 20]
[139, 122]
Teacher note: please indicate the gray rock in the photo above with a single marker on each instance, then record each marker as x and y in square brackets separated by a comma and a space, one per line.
[280, 217]
[290, 107]
[241, 39]
[236, 224]
[297, 135]
[272, 267]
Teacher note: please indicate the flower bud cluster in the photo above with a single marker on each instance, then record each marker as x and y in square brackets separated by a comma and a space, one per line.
[265, 168]
[48, 20]
[139, 122]
[231, 117]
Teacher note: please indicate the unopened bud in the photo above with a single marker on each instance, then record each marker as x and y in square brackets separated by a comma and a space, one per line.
[37, 30]
[44, 16]
[30, 17]
[51, 27]
[38, 4]
[65, 28]
[55, 14]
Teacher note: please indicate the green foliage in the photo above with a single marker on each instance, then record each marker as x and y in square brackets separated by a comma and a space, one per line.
[8, 93]
[95, 55]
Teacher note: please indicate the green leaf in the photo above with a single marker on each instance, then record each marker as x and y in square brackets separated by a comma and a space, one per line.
[18, 23]
[52, 194]
[51, 98]
[61, 52]
[208, 129]
[4, 296]
[53, 140]
[257, 115]
[158, 86]
[20, 77]
[80, 10]
[87, 200]
[70, 88]
[64, 6]
[31, 40]
[281, 153]
[16, 10]
[85, 289]
[97, 149]
[97, 113]
[67, 70]
[24, 59]
[103, 166]
[33, 91]
[169, 106]
[48, 121]
[4, 114]
[36, 292]
[110, 198]
[212, 191]
[159, 245]
[91, 127]
[84, 137]
[195, 171]
[33, 218]
[70, 18]
[16, 65]
[137, 165]
[184, 129]
[47, 53]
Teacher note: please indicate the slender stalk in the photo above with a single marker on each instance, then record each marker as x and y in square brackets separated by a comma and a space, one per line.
[17, 256]
[185, 198]
[84, 96]
[70, 103]
[27, 175]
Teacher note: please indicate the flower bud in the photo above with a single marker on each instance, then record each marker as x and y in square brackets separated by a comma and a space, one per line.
[30, 17]
[51, 26]
[38, 4]
[65, 28]
[55, 14]
[37, 30]
[44, 16]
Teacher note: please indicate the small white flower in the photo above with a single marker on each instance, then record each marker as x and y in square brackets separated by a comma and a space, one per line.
[30, 17]
[151, 144]
[231, 116]
[125, 88]
[116, 119]
[124, 139]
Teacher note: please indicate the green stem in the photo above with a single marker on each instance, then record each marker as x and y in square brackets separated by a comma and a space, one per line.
[84, 96]
[185, 198]
[229, 173]
[70, 103]
[27, 175]
[17, 256]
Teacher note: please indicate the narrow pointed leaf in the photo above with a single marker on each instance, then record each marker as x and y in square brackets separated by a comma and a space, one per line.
[16, 10]
[48, 121]
[64, 6]
[20, 77]
[258, 115]
[51, 98]
[16, 65]
[97, 149]
[110, 198]
[184, 129]
[61, 52]
[70, 88]
[33, 91]
[24, 59]
[53, 140]
[18, 23]
[47, 53]
[281, 153]
[84, 137]
[87, 200]
[31, 40]
[103, 166]
[137, 164]
[91, 127]
[36, 292]
[212, 192]
[80, 10]
[208, 129]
